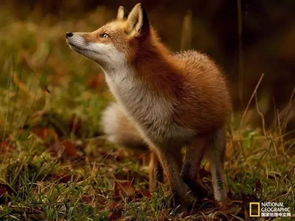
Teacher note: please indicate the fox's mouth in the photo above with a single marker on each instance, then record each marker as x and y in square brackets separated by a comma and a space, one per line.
[75, 46]
[80, 48]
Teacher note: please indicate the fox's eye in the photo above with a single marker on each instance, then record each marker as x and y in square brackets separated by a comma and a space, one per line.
[104, 35]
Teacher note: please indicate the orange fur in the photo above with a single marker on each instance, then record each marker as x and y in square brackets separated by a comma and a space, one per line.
[169, 100]
[190, 75]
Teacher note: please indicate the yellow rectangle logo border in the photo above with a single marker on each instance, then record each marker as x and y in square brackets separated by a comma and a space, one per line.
[258, 209]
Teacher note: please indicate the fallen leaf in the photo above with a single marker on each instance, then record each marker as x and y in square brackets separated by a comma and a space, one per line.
[96, 81]
[65, 148]
[116, 211]
[164, 215]
[48, 135]
[63, 178]
[88, 198]
[123, 188]
[5, 147]
[4, 189]
[145, 193]
[70, 148]
[57, 149]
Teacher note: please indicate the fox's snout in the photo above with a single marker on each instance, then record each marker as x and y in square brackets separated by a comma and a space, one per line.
[112, 44]
[99, 49]
[69, 34]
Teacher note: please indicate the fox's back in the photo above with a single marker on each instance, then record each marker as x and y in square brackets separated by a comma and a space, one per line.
[205, 100]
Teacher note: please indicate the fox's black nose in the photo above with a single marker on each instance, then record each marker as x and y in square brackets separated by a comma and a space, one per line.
[69, 34]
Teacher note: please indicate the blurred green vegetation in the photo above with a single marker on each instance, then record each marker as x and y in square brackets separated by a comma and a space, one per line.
[54, 162]
[267, 35]
[40, 72]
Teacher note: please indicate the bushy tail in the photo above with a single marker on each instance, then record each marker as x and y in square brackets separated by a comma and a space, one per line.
[120, 130]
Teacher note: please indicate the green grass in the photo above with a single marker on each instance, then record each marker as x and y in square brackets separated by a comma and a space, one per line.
[55, 164]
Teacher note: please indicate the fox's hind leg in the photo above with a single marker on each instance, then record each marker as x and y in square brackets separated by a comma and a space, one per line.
[216, 154]
[191, 166]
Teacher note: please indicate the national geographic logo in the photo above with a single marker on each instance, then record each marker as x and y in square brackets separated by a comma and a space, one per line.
[254, 210]
[268, 209]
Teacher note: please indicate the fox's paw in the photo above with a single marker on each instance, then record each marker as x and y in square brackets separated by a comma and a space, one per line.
[184, 203]
[198, 190]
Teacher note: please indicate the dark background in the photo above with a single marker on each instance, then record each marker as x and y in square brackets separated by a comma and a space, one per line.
[261, 42]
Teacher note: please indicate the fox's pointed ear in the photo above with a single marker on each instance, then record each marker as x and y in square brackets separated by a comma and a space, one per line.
[138, 22]
[121, 14]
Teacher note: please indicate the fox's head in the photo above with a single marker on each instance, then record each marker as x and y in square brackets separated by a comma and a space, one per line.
[116, 42]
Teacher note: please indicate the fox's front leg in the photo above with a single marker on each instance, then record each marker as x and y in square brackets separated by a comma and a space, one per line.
[180, 190]
[155, 172]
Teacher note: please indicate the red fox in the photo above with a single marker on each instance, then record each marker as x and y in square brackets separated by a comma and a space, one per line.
[165, 101]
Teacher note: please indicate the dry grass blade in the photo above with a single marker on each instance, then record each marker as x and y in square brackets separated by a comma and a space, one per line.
[251, 99]
[186, 33]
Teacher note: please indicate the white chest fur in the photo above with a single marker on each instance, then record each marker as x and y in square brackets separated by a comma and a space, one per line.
[152, 113]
